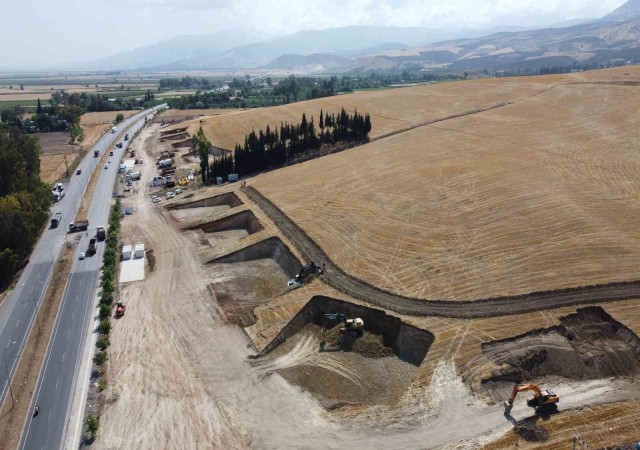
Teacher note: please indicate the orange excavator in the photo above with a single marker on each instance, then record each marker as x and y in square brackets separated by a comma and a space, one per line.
[542, 400]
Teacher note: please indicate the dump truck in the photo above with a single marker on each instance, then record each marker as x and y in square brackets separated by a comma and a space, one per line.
[55, 220]
[79, 225]
[92, 247]
[101, 233]
[135, 176]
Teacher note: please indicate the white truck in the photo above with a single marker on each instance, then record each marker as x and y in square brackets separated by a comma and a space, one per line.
[114, 130]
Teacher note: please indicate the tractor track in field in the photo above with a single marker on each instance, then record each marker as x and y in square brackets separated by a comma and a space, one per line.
[335, 277]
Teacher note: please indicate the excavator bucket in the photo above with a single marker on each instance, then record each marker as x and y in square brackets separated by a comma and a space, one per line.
[508, 406]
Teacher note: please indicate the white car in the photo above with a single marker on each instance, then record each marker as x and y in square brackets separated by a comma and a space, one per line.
[179, 191]
[155, 199]
[81, 255]
[293, 283]
[170, 195]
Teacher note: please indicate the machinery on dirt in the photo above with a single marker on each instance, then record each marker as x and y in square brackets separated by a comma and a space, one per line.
[352, 327]
[542, 401]
[120, 309]
[305, 272]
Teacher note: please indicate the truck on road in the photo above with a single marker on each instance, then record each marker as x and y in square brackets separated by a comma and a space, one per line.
[101, 233]
[58, 195]
[114, 130]
[96, 153]
[55, 220]
[78, 225]
[92, 247]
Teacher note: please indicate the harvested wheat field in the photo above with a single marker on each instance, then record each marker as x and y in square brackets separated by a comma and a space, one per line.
[56, 153]
[95, 124]
[537, 195]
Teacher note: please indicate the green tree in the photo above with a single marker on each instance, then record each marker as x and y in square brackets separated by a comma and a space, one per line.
[102, 343]
[119, 118]
[92, 426]
[39, 108]
[100, 358]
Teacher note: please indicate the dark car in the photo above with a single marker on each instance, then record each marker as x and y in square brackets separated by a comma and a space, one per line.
[78, 172]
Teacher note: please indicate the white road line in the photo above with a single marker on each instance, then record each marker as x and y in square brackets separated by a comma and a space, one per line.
[18, 323]
[57, 379]
[73, 314]
[64, 353]
[68, 334]
[49, 418]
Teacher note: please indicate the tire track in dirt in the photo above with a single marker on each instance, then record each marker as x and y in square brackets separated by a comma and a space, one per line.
[335, 277]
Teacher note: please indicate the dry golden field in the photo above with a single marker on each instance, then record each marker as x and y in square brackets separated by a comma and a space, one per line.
[95, 124]
[536, 195]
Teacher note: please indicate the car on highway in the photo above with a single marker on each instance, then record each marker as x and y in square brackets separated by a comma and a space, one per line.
[78, 172]
[155, 199]
[170, 195]
[106, 166]
[82, 255]
[179, 191]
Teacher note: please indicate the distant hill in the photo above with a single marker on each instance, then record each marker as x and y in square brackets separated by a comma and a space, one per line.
[595, 42]
[315, 63]
[168, 52]
[630, 10]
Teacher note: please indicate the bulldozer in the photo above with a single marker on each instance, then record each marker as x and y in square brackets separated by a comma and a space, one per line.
[546, 400]
[120, 309]
[352, 327]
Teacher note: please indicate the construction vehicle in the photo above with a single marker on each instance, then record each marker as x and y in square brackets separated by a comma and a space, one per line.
[352, 327]
[304, 273]
[120, 309]
[78, 225]
[546, 400]
[92, 247]
[101, 233]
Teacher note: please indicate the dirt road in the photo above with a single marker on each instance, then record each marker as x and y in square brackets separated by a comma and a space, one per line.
[489, 307]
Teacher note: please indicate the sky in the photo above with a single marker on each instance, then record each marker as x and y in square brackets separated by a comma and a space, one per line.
[38, 33]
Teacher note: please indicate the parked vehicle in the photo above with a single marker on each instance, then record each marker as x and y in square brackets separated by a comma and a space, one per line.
[170, 195]
[155, 199]
[179, 191]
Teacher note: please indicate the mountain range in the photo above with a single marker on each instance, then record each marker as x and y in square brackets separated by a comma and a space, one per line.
[615, 36]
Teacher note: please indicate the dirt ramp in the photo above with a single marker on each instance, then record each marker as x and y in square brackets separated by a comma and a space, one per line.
[227, 199]
[589, 344]
[271, 248]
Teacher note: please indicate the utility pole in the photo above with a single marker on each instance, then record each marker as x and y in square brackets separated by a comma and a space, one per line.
[6, 366]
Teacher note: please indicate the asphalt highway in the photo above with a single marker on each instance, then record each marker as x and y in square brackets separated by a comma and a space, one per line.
[56, 380]
[18, 310]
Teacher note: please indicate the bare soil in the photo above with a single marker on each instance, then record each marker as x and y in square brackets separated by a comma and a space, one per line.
[344, 371]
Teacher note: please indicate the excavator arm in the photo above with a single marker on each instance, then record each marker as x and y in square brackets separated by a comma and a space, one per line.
[540, 398]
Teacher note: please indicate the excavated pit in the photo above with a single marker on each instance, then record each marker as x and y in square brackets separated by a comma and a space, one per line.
[173, 132]
[205, 208]
[174, 136]
[589, 344]
[226, 229]
[342, 371]
[250, 276]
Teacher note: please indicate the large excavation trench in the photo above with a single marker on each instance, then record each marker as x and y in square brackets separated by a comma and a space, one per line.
[345, 371]
[226, 229]
[587, 345]
[249, 277]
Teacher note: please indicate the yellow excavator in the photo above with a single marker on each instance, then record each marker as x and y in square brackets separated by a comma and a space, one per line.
[542, 400]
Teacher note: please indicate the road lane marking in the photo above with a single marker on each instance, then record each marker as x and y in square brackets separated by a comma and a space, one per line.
[18, 323]
[49, 418]
[57, 379]
[63, 356]
[68, 334]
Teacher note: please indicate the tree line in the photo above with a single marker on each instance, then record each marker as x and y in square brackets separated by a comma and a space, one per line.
[24, 199]
[270, 149]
